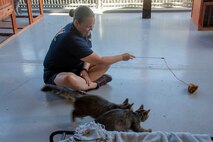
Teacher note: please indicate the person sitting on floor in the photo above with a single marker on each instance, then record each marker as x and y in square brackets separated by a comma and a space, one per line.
[70, 61]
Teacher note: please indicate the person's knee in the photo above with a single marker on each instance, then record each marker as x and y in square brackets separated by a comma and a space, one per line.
[71, 80]
[105, 67]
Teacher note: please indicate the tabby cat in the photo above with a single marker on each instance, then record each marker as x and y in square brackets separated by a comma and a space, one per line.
[124, 120]
[85, 105]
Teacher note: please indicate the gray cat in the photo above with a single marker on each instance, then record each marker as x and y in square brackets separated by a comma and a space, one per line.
[85, 105]
[124, 120]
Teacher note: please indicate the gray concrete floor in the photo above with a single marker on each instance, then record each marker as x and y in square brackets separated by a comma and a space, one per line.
[28, 115]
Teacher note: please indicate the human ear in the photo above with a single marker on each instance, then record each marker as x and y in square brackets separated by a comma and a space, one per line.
[76, 23]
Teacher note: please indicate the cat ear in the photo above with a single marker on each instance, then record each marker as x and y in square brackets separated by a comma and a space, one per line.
[126, 101]
[147, 111]
[131, 105]
[141, 107]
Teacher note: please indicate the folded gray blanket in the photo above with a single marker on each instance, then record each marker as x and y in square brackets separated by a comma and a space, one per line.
[92, 132]
[160, 137]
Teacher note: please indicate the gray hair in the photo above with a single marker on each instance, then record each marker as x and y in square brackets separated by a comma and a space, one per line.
[81, 13]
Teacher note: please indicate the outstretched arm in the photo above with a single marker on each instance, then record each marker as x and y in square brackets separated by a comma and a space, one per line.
[107, 60]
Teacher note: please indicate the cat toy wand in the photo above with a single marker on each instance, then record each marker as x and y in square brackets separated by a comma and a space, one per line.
[191, 86]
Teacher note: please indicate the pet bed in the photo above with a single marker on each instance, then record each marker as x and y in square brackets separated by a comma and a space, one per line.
[93, 132]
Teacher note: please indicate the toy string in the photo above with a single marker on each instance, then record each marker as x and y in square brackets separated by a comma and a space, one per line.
[164, 59]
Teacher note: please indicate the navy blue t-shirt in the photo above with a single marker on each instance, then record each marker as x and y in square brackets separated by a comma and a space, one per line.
[66, 50]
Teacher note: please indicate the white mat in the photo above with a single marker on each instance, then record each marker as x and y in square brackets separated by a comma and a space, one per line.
[92, 132]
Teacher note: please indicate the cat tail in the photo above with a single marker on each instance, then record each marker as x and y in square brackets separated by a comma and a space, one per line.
[63, 92]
